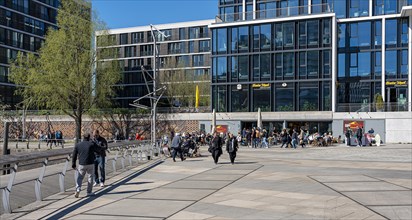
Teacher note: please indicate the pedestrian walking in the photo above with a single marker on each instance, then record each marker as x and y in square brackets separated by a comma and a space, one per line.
[232, 147]
[294, 139]
[359, 134]
[177, 147]
[347, 135]
[100, 161]
[216, 147]
[85, 151]
[284, 137]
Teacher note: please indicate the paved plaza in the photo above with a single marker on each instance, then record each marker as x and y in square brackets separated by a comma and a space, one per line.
[314, 183]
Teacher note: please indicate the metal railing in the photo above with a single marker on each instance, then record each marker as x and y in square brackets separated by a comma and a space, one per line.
[202, 109]
[120, 153]
[274, 13]
[373, 107]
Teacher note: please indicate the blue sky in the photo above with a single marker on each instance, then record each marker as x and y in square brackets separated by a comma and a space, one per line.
[129, 13]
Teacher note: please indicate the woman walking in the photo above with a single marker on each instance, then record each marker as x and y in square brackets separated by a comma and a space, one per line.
[231, 147]
[216, 147]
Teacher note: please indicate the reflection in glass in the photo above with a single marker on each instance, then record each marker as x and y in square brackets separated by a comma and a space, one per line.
[222, 40]
[284, 99]
[243, 39]
[261, 99]
[243, 67]
[288, 64]
[308, 98]
[265, 65]
[221, 68]
[391, 63]
[239, 99]
[391, 32]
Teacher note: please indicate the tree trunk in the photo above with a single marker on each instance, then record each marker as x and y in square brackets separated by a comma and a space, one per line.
[78, 120]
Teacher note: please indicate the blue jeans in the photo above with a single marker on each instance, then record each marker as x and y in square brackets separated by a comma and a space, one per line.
[264, 142]
[294, 143]
[99, 164]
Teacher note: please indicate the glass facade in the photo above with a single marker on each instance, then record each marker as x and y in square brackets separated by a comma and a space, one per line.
[281, 66]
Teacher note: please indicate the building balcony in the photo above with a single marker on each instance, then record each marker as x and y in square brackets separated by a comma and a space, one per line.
[274, 13]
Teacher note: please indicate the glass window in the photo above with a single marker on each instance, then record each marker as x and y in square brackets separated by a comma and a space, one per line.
[288, 64]
[313, 32]
[261, 99]
[240, 99]
[364, 31]
[391, 32]
[198, 60]
[358, 8]
[278, 36]
[256, 37]
[234, 68]
[256, 67]
[265, 36]
[378, 33]
[214, 69]
[235, 40]
[391, 62]
[284, 99]
[308, 98]
[123, 38]
[182, 33]
[243, 68]
[221, 68]
[364, 64]
[204, 46]
[404, 34]
[342, 35]
[221, 99]
[279, 65]
[326, 32]
[339, 8]
[327, 103]
[222, 40]
[326, 63]
[191, 46]
[214, 41]
[243, 39]
[313, 63]
[378, 64]
[302, 64]
[354, 37]
[302, 34]
[289, 34]
[265, 65]
[353, 64]
[404, 64]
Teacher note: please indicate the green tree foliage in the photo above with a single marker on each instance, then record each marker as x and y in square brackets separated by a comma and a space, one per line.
[68, 74]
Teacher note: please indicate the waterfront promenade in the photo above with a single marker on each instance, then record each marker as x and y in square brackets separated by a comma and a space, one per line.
[315, 183]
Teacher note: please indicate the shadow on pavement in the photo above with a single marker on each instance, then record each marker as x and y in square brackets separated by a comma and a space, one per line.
[61, 213]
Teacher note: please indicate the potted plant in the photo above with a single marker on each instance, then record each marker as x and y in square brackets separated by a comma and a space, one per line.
[378, 99]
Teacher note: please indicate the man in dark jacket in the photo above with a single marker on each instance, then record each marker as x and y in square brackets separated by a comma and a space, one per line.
[359, 135]
[176, 146]
[100, 161]
[216, 147]
[85, 151]
[231, 147]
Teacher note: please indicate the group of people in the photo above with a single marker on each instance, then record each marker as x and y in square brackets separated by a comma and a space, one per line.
[362, 137]
[51, 137]
[91, 153]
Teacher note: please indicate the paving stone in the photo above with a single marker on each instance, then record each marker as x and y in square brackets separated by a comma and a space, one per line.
[222, 177]
[108, 217]
[175, 194]
[186, 184]
[382, 197]
[394, 212]
[142, 208]
[364, 186]
[344, 178]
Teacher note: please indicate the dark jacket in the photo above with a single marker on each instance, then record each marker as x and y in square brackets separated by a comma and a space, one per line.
[176, 142]
[233, 142]
[217, 143]
[102, 146]
[85, 151]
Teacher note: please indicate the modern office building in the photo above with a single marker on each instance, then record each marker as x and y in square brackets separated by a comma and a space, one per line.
[312, 62]
[23, 25]
[185, 47]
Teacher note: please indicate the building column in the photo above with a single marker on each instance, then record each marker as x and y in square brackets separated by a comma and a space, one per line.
[254, 9]
[410, 65]
[244, 10]
[383, 58]
[309, 7]
[370, 8]
[334, 62]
